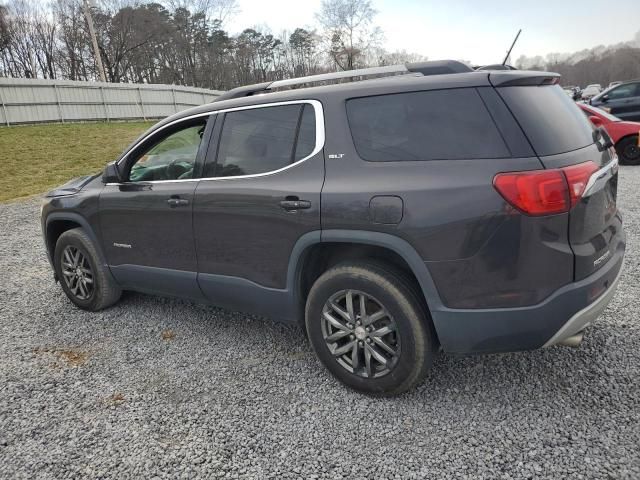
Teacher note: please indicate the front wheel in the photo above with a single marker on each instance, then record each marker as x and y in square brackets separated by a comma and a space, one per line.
[628, 151]
[83, 277]
[368, 327]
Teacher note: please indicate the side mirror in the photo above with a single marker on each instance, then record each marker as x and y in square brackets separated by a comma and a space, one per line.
[111, 173]
[604, 98]
[597, 121]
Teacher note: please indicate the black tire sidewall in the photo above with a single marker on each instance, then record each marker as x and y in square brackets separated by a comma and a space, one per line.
[415, 344]
[78, 242]
[620, 147]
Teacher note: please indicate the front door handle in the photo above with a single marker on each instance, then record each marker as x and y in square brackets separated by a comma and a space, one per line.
[294, 203]
[177, 202]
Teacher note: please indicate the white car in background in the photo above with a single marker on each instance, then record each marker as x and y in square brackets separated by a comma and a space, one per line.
[591, 91]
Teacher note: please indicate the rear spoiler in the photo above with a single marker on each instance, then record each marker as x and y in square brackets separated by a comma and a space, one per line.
[512, 78]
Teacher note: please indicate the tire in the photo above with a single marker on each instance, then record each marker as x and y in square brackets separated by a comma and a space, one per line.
[95, 289]
[395, 305]
[628, 150]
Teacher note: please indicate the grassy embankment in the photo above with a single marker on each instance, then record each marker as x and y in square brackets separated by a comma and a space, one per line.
[34, 159]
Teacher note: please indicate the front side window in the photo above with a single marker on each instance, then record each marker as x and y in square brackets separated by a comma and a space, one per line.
[260, 140]
[623, 91]
[428, 125]
[171, 158]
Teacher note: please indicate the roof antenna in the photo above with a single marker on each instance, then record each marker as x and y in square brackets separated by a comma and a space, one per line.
[512, 45]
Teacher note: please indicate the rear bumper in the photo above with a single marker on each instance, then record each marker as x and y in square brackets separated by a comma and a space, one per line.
[566, 312]
[586, 316]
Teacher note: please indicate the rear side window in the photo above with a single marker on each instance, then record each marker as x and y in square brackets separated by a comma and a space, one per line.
[431, 125]
[261, 140]
[550, 119]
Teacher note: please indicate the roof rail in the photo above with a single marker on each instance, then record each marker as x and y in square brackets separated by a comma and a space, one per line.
[439, 67]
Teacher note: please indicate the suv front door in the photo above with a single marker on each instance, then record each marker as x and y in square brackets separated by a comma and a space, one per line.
[260, 193]
[146, 221]
[624, 101]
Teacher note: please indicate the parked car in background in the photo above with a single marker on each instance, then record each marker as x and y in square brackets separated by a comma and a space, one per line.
[623, 100]
[625, 135]
[591, 91]
[573, 92]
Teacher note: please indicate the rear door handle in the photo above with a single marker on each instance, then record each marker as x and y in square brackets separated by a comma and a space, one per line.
[291, 204]
[177, 202]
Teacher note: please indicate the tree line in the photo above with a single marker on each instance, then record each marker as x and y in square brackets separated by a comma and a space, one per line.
[183, 42]
[601, 64]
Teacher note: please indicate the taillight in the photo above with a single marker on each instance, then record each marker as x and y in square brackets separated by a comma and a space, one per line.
[577, 177]
[545, 192]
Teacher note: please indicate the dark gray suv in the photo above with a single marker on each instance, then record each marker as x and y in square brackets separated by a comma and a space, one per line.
[431, 208]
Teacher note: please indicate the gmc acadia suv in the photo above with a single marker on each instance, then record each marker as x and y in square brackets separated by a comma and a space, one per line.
[432, 207]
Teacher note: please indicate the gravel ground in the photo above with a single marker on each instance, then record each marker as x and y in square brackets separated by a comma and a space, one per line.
[158, 387]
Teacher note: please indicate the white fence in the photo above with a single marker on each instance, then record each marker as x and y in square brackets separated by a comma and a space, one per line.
[33, 101]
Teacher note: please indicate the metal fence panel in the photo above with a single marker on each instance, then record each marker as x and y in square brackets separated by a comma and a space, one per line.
[34, 100]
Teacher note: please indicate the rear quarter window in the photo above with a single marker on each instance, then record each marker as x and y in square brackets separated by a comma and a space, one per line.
[429, 125]
[552, 122]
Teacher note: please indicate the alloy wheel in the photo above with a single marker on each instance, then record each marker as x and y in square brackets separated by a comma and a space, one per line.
[360, 333]
[632, 152]
[77, 273]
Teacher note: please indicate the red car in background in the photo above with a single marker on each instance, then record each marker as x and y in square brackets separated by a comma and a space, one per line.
[624, 134]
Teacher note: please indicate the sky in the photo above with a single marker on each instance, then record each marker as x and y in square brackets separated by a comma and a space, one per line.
[476, 31]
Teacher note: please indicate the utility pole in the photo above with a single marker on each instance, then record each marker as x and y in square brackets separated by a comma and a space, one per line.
[94, 40]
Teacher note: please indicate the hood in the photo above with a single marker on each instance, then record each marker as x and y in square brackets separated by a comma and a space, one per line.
[72, 186]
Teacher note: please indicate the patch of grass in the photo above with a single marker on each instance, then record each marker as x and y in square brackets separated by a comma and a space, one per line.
[37, 158]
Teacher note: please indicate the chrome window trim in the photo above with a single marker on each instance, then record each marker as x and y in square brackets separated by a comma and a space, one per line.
[320, 139]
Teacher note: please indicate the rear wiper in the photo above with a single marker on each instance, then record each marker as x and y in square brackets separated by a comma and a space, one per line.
[602, 139]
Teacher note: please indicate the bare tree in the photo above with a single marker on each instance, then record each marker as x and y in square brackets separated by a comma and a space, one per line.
[21, 50]
[4, 27]
[349, 29]
[398, 57]
[44, 40]
[73, 56]
[5, 39]
[180, 42]
[220, 10]
[303, 45]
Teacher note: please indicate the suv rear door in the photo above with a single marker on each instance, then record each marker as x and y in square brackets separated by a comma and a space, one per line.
[562, 136]
[260, 193]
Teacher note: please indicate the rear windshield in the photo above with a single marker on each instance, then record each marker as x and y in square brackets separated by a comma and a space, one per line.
[550, 119]
[428, 125]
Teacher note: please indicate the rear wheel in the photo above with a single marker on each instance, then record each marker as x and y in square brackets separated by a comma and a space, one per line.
[83, 277]
[368, 327]
[628, 150]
